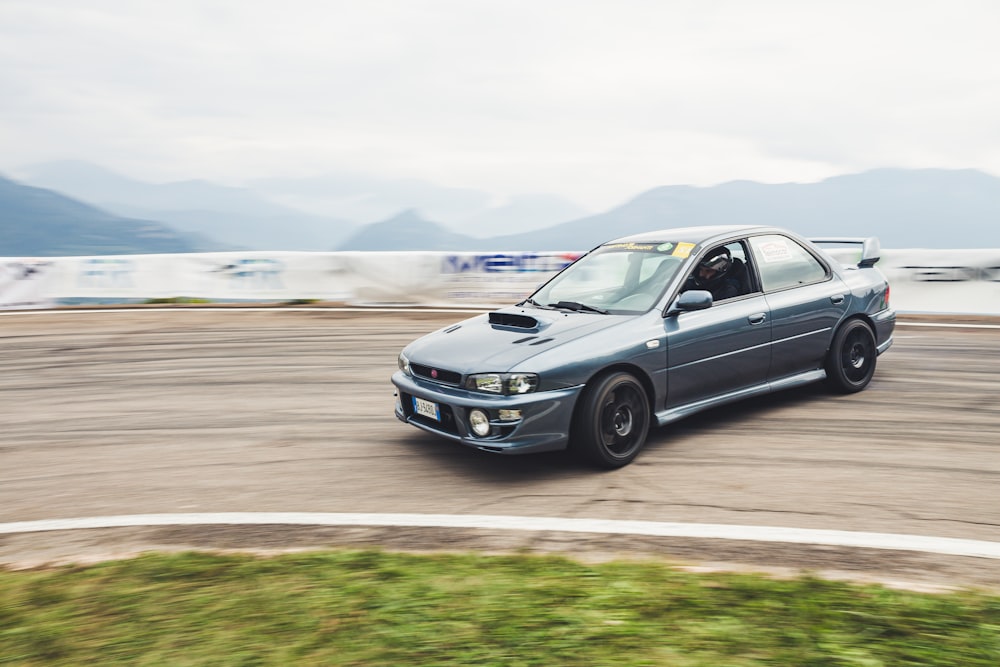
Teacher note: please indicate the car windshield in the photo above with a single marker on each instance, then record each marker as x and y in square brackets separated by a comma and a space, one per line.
[615, 278]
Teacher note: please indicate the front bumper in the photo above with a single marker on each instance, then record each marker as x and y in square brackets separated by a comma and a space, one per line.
[543, 425]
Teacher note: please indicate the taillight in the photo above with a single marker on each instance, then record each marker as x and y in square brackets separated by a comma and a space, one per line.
[885, 297]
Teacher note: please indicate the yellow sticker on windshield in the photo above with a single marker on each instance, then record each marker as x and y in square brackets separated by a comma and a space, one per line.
[683, 249]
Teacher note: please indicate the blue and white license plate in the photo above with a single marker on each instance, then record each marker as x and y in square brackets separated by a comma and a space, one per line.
[426, 408]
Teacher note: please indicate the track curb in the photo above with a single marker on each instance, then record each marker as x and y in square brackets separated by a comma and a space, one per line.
[822, 537]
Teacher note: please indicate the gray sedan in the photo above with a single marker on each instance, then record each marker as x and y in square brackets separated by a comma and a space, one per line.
[645, 330]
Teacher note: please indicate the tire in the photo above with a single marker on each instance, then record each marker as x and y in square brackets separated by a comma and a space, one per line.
[850, 363]
[611, 421]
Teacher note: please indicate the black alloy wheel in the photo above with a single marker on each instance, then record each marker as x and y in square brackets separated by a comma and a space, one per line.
[612, 420]
[851, 361]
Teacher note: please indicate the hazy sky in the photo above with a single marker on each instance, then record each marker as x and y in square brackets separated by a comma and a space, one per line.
[595, 100]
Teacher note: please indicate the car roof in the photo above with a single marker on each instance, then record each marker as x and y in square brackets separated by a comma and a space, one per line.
[698, 235]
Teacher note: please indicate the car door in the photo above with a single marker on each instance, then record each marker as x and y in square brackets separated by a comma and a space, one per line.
[721, 349]
[806, 301]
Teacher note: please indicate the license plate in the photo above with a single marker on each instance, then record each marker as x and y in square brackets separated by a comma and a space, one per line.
[426, 408]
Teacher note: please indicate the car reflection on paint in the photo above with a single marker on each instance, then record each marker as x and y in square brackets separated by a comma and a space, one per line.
[624, 339]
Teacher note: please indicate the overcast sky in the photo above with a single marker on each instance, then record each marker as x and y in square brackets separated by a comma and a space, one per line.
[594, 100]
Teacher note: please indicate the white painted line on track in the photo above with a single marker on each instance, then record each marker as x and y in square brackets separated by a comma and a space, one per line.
[838, 538]
[943, 325]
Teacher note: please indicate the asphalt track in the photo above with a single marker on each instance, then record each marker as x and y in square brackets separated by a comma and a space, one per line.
[222, 412]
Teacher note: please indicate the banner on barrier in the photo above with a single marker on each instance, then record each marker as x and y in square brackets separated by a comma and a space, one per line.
[944, 281]
[24, 284]
[498, 278]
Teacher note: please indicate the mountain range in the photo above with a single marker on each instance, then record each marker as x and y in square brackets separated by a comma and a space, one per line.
[40, 222]
[233, 218]
[927, 208]
[94, 211]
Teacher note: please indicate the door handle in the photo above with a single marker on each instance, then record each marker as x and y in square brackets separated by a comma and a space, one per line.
[837, 299]
[757, 318]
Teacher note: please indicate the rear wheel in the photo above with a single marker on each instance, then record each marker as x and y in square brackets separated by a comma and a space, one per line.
[850, 363]
[612, 420]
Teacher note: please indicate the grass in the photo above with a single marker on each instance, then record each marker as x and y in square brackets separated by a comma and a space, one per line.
[376, 608]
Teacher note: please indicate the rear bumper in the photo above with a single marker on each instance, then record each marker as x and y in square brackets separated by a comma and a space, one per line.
[543, 425]
[885, 324]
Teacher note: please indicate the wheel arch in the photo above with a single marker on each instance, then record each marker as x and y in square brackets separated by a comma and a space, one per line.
[864, 317]
[635, 371]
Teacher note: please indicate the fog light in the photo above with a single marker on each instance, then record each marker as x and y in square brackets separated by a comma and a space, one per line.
[510, 415]
[480, 422]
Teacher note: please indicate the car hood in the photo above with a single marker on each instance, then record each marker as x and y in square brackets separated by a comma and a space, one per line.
[501, 340]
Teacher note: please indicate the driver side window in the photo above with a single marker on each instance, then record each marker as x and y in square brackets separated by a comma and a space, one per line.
[723, 271]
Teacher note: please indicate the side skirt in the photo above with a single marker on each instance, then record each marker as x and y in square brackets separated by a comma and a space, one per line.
[679, 412]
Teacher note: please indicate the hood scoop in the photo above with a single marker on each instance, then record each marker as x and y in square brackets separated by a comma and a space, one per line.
[515, 320]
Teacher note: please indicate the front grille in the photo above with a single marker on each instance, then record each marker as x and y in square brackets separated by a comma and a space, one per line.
[436, 374]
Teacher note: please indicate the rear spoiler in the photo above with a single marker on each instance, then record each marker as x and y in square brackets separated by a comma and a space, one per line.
[871, 250]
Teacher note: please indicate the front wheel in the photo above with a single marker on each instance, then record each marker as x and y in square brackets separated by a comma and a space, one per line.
[850, 363]
[612, 420]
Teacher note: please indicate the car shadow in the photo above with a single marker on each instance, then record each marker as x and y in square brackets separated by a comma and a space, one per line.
[492, 468]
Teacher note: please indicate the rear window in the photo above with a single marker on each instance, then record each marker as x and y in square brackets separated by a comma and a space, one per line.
[783, 263]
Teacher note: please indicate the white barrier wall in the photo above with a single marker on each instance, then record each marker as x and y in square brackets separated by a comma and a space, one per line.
[943, 281]
[927, 281]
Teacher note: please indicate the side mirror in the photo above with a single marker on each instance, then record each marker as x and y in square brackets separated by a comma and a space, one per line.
[696, 299]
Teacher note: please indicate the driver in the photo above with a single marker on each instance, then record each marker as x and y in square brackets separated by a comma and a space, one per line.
[713, 273]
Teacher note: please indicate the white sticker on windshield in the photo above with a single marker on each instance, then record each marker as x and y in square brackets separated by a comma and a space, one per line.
[774, 251]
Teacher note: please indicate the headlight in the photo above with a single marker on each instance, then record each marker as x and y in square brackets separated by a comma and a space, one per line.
[404, 364]
[491, 383]
[521, 383]
[502, 383]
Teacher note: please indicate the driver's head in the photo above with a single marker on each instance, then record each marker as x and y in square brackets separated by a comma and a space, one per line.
[715, 265]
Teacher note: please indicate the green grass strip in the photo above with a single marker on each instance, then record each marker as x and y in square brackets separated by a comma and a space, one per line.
[375, 608]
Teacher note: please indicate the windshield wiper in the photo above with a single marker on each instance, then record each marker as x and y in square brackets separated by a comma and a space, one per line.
[576, 306]
[532, 302]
